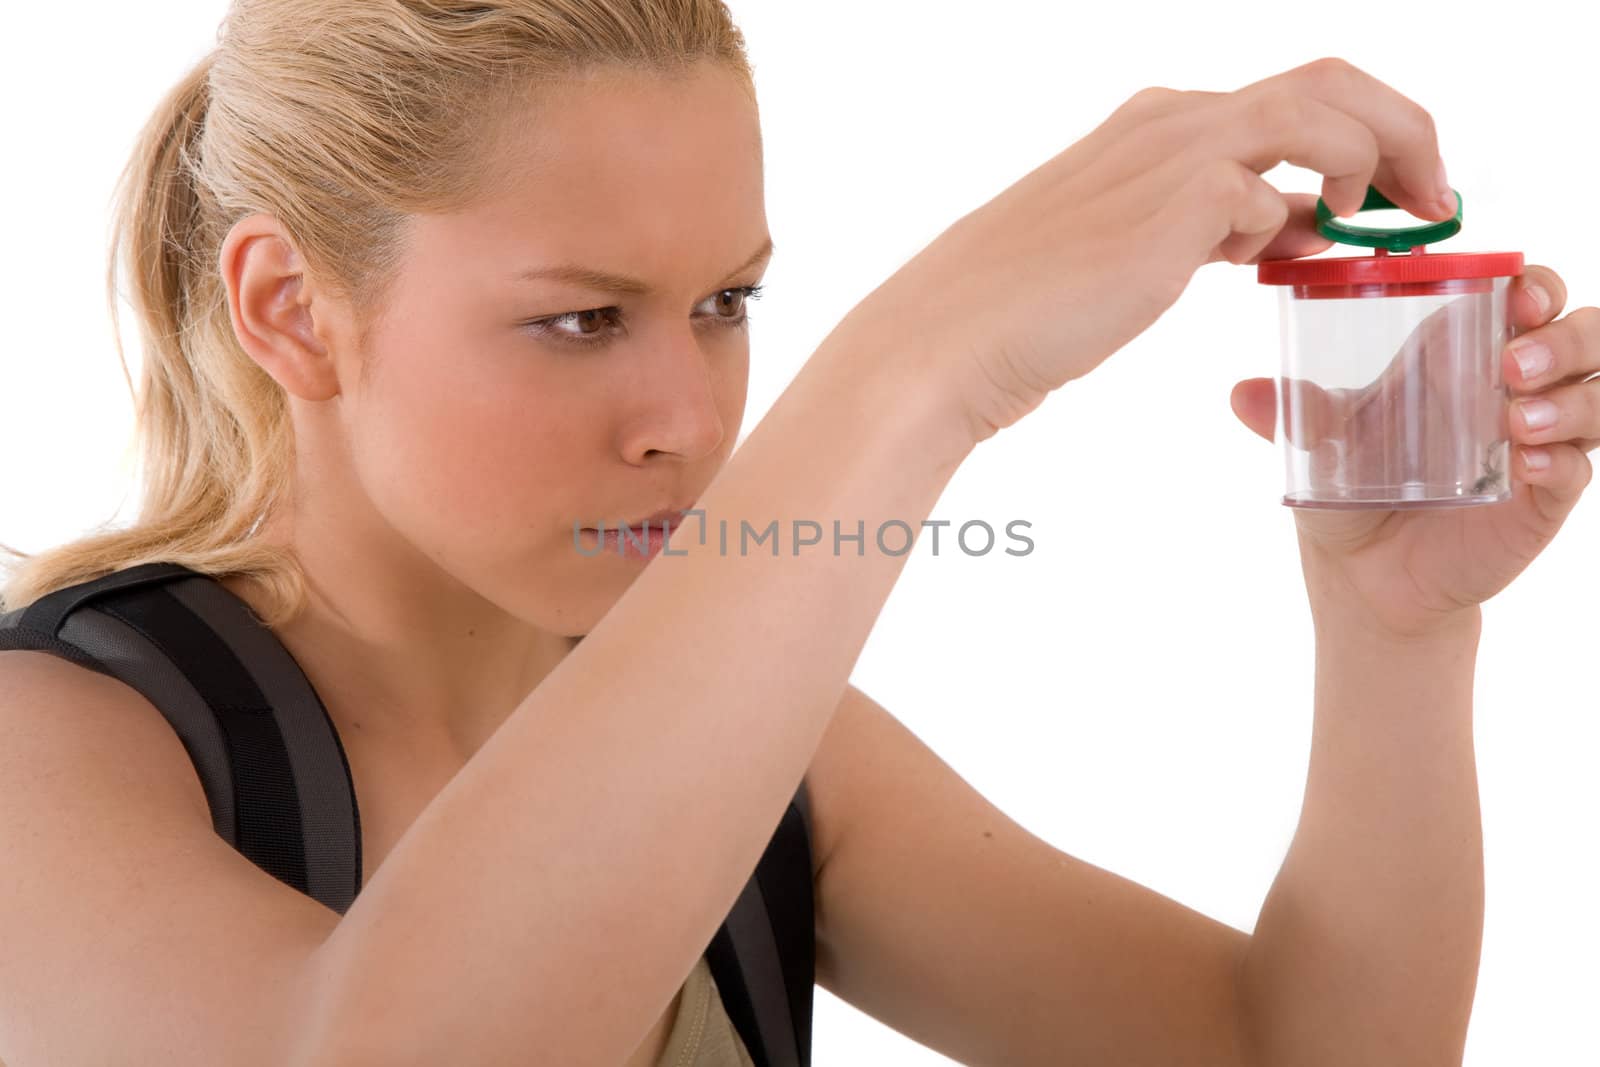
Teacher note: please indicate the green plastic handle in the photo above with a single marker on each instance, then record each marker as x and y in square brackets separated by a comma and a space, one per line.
[1402, 240]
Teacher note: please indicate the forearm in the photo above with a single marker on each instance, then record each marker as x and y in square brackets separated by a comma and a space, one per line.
[557, 891]
[1366, 950]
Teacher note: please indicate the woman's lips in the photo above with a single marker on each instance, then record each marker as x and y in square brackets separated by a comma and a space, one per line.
[671, 516]
[643, 539]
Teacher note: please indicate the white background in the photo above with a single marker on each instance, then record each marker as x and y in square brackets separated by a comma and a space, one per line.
[1137, 691]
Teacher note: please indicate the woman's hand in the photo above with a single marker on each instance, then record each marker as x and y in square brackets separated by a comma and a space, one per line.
[1042, 283]
[1411, 572]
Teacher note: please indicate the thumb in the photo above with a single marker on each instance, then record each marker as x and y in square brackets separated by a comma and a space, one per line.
[1255, 402]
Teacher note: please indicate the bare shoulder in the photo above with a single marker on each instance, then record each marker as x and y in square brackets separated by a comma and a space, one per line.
[119, 893]
[54, 714]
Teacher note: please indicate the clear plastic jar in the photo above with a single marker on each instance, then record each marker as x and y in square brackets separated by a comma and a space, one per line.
[1392, 393]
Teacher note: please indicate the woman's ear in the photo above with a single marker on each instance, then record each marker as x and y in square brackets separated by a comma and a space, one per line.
[278, 317]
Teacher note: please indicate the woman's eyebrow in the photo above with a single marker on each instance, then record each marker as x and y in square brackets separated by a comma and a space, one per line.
[605, 281]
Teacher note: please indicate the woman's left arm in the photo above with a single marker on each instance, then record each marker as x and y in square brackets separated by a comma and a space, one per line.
[1366, 949]
[944, 918]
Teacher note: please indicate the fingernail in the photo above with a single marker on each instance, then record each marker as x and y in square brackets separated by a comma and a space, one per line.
[1537, 459]
[1533, 358]
[1537, 414]
[1541, 298]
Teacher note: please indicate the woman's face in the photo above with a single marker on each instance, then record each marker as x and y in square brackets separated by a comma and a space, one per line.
[506, 404]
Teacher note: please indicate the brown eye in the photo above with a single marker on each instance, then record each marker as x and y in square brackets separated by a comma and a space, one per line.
[591, 325]
[586, 319]
[732, 305]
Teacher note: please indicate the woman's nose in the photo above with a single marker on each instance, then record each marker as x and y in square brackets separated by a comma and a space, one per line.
[676, 408]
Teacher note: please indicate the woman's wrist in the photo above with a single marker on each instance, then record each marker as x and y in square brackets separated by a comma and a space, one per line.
[875, 368]
[1340, 613]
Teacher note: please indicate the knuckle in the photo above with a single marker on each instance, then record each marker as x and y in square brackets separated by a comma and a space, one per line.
[1330, 67]
[1428, 128]
[1155, 94]
[1327, 74]
[1577, 339]
[1586, 321]
[1430, 125]
[1578, 457]
[1152, 100]
[1278, 113]
[1224, 179]
[1587, 401]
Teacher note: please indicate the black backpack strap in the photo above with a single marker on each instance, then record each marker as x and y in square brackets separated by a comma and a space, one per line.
[267, 754]
[764, 956]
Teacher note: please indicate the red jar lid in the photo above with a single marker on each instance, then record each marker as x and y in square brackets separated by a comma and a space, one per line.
[1384, 269]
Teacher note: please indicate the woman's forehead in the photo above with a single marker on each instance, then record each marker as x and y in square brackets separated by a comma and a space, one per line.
[653, 142]
[615, 175]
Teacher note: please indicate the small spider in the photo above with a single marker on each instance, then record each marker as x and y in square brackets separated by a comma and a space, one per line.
[1491, 475]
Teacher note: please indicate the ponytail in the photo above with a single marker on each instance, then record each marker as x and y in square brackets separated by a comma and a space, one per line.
[212, 425]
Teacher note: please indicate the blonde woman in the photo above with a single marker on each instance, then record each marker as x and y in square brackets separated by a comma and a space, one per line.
[429, 291]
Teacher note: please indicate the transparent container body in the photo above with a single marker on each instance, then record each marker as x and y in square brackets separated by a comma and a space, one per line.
[1392, 394]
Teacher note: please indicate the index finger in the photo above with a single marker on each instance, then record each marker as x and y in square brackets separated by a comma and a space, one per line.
[1410, 170]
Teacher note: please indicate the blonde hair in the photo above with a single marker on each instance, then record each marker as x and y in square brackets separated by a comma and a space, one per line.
[338, 120]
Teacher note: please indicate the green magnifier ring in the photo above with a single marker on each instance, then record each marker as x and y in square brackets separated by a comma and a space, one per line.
[1401, 240]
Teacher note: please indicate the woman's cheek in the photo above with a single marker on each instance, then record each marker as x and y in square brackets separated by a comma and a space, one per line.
[447, 443]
